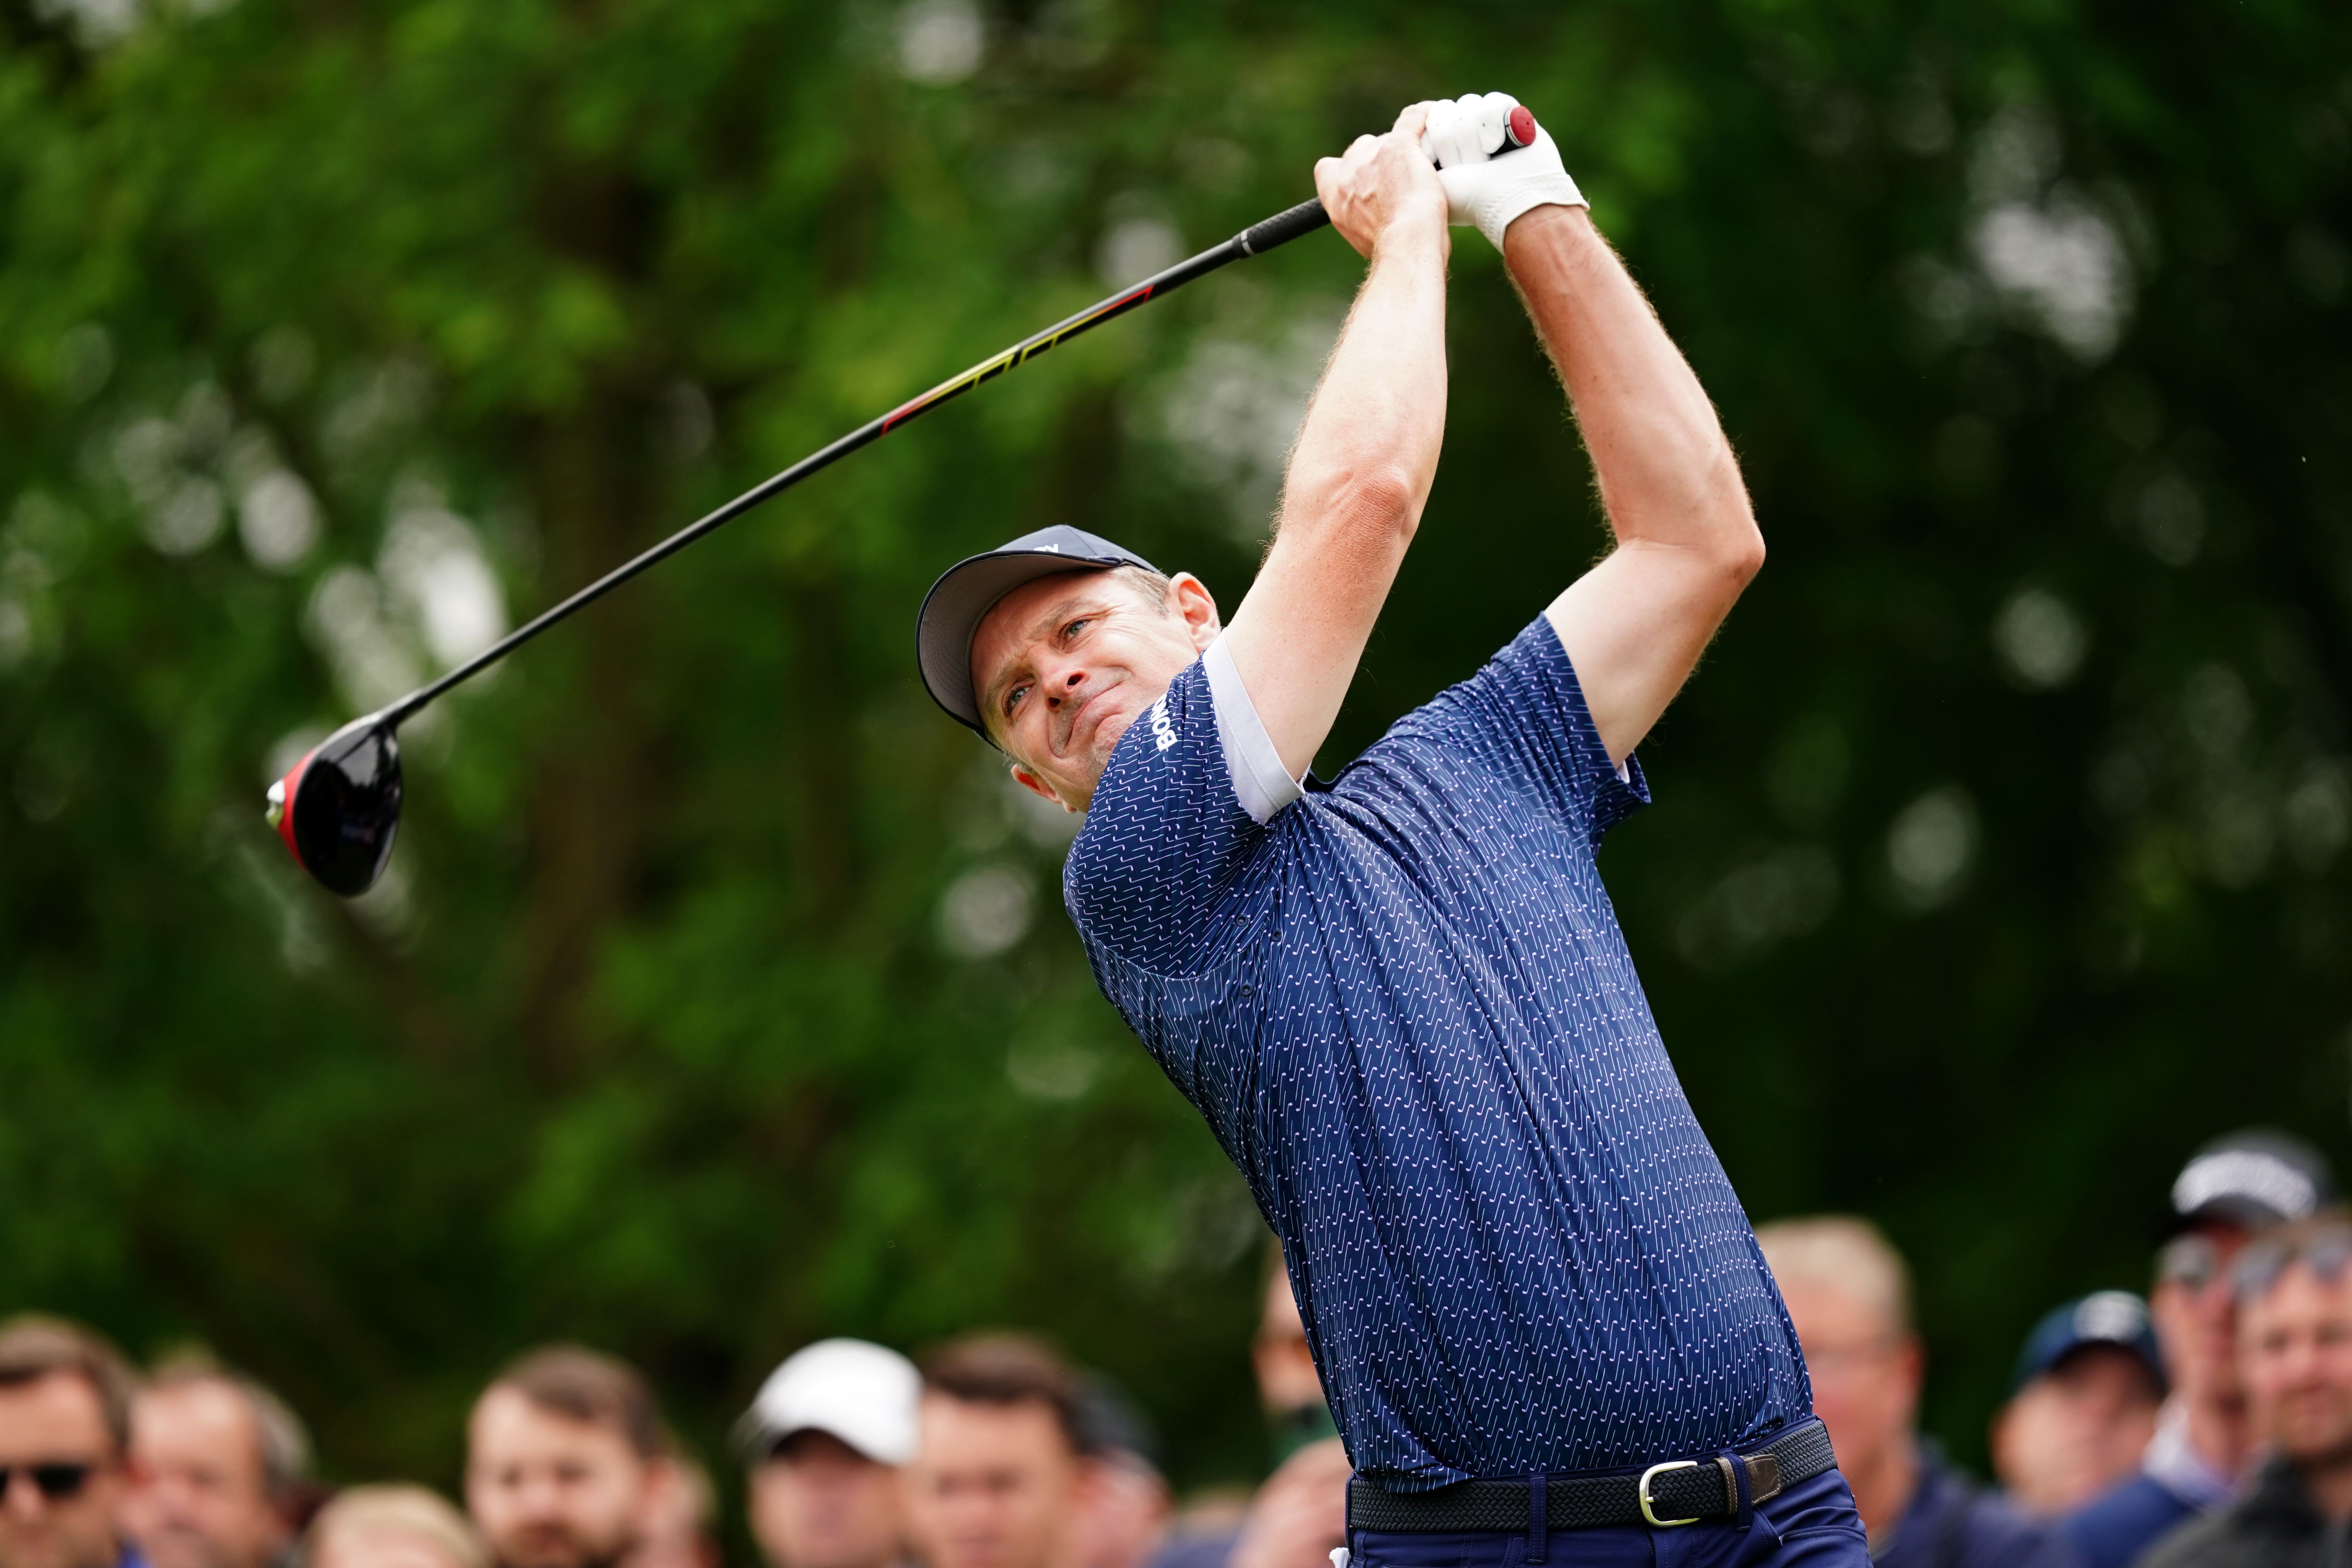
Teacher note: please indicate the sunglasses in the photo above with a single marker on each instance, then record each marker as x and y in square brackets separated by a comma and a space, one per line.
[2326, 1252]
[2192, 1260]
[55, 1482]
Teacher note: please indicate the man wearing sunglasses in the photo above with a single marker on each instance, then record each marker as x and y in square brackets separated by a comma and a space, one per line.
[2293, 1294]
[65, 1426]
[2231, 1191]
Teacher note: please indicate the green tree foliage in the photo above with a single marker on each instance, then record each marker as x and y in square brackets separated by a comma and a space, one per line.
[719, 1001]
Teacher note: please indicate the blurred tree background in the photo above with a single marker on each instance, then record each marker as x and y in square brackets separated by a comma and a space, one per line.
[719, 998]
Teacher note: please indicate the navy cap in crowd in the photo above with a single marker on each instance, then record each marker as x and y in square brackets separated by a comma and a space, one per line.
[968, 590]
[2252, 1180]
[2115, 1318]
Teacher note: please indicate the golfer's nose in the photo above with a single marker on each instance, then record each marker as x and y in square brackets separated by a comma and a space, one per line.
[1065, 687]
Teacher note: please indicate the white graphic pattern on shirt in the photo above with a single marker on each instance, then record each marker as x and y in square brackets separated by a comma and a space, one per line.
[1406, 1010]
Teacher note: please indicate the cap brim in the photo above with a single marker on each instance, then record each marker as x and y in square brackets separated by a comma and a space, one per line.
[961, 599]
[2230, 1209]
[2047, 1365]
[759, 1440]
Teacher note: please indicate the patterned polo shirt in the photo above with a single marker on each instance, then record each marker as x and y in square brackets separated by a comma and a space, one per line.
[1404, 1006]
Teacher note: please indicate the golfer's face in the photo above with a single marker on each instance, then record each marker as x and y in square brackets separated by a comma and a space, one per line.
[1063, 666]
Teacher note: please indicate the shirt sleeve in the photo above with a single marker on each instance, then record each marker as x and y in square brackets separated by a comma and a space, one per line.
[1261, 783]
[1173, 828]
[1523, 717]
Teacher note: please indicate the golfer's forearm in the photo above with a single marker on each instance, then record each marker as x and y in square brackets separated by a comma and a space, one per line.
[1666, 474]
[1358, 477]
[1368, 451]
[1635, 624]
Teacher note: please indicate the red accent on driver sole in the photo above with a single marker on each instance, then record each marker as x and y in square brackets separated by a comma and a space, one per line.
[293, 781]
[1521, 127]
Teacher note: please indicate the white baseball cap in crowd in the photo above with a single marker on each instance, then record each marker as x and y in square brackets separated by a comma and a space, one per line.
[860, 1393]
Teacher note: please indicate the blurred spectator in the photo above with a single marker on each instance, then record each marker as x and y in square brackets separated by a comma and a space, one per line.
[2081, 1405]
[65, 1430]
[999, 1480]
[2295, 1300]
[827, 1437]
[217, 1466]
[2231, 1190]
[567, 1461]
[1126, 1521]
[1301, 1515]
[681, 1519]
[393, 1527]
[1849, 1296]
[1288, 1383]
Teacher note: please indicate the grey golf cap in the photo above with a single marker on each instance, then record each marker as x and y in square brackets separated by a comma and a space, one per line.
[2253, 1179]
[968, 590]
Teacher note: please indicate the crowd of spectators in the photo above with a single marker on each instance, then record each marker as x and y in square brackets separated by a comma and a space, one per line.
[995, 1453]
[2206, 1425]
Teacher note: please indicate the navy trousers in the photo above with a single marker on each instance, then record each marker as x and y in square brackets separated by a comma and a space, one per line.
[1811, 1525]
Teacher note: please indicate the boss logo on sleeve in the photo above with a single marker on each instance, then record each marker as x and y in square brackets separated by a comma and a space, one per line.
[1163, 729]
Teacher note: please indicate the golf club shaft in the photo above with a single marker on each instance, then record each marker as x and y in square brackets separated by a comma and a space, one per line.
[1259, 238]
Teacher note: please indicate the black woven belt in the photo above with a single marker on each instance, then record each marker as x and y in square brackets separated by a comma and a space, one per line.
[1679, 1491]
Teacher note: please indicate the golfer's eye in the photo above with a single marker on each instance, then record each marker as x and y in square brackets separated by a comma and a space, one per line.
[1013, 698]
[1070, 632]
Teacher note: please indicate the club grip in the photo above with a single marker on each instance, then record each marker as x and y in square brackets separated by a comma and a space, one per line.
[1309, 215]
[1283, 228]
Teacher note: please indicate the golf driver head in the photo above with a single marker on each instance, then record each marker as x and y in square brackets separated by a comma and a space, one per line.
[338, 808]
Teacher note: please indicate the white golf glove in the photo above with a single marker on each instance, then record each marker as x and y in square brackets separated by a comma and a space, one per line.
[1461, 138]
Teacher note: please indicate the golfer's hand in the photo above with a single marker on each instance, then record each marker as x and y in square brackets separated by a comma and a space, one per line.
[1384, 190]
[1485, 187]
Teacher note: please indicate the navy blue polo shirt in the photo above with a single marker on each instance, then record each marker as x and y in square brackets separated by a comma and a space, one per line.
[1405, 1006]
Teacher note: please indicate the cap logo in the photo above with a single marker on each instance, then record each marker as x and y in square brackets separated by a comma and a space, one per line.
[1050, 548]
[2110, 1315]
[2245, 1174]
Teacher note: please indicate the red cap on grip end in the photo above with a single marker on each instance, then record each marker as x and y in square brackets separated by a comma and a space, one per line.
[281, 802]
[1521, 127]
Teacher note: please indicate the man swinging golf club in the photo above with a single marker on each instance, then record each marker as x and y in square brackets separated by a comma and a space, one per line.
[1401, 999]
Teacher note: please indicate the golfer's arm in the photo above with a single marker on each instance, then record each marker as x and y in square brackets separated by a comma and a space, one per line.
[1635, 624]
[1358, 477]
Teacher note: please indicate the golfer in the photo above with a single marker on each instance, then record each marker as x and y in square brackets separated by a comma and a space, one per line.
[1402, 998]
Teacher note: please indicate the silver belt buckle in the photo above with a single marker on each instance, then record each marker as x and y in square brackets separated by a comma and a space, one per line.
[1642, 1493]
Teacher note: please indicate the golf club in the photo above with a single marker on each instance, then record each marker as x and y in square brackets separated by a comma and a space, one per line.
[338, 809]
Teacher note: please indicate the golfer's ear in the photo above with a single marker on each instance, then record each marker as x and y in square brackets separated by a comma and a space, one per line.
[1038, 787]
[1190, 598]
